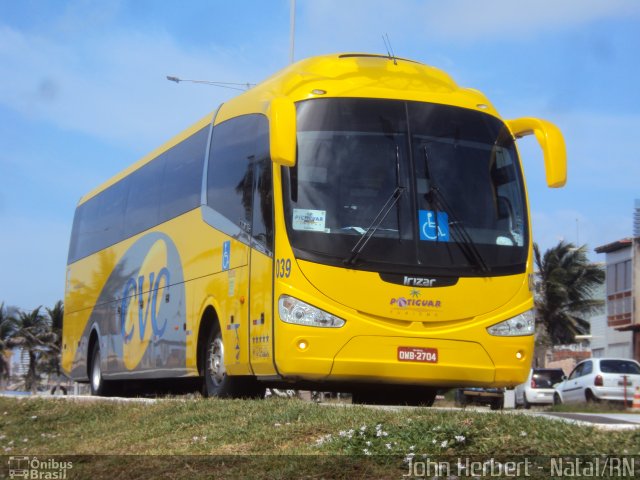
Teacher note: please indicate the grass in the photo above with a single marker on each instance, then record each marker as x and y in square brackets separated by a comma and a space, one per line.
[191, 437]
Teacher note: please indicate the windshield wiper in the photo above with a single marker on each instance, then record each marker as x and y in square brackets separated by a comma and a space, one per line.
[377, 221]
[460, 235]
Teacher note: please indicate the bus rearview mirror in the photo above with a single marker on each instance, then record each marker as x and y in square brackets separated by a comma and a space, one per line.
[282, 131]
[551, 142]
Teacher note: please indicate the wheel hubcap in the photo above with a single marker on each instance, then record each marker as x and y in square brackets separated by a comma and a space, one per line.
[217, 371]
[96, 374]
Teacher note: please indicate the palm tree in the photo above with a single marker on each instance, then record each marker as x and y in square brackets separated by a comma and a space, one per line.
[33, 334]
[566, 282]
[7, 329]
[51, 360]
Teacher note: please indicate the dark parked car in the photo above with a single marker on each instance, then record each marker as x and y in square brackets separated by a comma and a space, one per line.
[494, 397]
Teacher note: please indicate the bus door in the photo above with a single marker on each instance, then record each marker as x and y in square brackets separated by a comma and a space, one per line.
[261, 264]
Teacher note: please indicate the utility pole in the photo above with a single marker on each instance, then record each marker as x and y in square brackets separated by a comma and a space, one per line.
[292, 33]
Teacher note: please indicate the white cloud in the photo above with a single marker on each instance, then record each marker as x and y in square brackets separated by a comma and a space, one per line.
[113, 86]
[360, 23]
[471, 19]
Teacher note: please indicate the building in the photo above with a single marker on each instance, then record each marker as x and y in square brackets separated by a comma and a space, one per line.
[636, 219]
[616, 333]
[566, 356]
[19, 362]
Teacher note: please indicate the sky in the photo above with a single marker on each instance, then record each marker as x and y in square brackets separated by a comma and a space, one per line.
[83, 94]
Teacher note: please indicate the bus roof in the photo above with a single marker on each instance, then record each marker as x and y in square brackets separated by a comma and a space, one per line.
[336, 75]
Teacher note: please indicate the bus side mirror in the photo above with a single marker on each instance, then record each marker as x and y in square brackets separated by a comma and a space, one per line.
[551, 142]
[282, 131]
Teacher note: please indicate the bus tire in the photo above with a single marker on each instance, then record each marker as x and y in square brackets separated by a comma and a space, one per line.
[62, 389]
[97, 382]
[216, 381]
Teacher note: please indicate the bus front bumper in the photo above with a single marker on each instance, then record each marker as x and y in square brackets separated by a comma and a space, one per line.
[414, 361]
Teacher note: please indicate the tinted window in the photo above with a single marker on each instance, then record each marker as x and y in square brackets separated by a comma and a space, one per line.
[182, 179]
[619, 366]
[144, 198]
[262, 229]
[111, 212]
[85, 236]
[587, 368]
[162, 189]
[99, 222]
[441, 185]
[230, 177]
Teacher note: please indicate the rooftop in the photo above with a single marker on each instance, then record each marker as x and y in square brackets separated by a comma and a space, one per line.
[614, 246]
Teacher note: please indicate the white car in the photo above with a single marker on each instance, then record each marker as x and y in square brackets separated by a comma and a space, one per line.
[538, 388]
[598, 379]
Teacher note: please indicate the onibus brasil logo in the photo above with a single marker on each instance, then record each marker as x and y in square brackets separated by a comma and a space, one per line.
[35, 468]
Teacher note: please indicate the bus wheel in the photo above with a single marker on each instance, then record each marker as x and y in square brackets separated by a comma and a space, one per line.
[98, 384]
[216, 381]
[62, 388]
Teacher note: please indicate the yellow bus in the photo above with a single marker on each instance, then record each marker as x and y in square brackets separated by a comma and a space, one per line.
[354, 223]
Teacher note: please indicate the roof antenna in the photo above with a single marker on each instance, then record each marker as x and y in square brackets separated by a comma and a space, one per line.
[387, 44]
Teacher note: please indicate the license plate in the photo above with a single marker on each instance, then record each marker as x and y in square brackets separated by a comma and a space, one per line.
[418, 354]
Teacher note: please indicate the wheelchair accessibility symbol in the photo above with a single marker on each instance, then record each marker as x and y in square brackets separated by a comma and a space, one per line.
[434, 226]
[226, 255]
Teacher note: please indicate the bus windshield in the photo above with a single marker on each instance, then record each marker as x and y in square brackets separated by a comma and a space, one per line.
[459, 205]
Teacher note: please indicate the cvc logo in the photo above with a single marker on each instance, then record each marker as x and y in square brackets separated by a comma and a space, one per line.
[150, 307]
[147, 307]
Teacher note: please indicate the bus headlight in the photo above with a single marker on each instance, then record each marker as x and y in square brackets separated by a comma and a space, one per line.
[298, 312]
[520, 325]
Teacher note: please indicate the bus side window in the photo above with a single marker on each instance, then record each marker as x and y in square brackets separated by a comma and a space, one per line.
[144, 198]
[164, 188]
[262, 228]
[99, 221]
[111, 213]
[182, 178]
[230, 177]
[85, 236]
